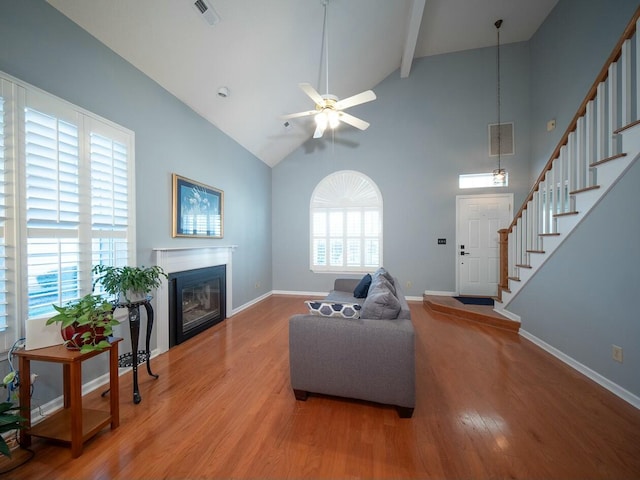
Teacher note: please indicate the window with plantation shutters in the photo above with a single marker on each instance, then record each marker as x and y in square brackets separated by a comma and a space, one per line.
[346, 224]
[109, 200]
[69, 202]
[52, 203]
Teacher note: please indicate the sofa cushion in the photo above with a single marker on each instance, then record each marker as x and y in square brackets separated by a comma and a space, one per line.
[333, 309]
[380, 281]
[380, 304]
[384, 273]
[362, 289]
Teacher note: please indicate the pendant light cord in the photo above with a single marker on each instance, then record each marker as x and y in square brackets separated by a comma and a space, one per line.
[498, 24]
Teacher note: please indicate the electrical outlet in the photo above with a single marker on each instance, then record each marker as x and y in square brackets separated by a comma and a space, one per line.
[616, 353]
[257, 284]
[409, 284]
[442, 241]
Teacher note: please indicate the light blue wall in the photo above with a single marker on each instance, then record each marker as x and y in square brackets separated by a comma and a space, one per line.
[583, 299]
[42, 47]
[567, 53]
[425, 131]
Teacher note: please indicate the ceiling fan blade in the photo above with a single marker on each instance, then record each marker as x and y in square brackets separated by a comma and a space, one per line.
[299, 114]
[312, 93]
[356, 100]
[319, 132]
[353, 121]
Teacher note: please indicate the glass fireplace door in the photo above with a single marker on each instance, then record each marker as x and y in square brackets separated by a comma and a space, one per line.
[197, 301]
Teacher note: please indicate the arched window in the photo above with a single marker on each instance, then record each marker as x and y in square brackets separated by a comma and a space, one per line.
[346, 224]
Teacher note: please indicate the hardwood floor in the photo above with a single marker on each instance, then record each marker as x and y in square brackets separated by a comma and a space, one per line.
[489, 405]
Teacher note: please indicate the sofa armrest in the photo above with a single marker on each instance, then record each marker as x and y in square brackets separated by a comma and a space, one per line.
[356, 358]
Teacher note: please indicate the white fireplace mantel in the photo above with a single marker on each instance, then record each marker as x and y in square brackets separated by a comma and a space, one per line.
[178, 259]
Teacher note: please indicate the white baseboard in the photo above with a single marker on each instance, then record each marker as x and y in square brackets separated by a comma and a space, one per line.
[440, 294]
[413, 299]
[298, 294]
[586, 371]
[249, 304]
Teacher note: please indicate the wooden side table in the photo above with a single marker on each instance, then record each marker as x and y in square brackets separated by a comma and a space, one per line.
[72, 424]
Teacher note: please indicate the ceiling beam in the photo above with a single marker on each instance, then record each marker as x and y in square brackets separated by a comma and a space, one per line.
[413, 29]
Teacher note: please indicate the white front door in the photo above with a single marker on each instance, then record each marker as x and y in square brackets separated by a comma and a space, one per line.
[479, 217]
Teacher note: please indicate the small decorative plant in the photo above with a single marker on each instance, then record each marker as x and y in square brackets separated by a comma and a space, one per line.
[85, 323]
[129, 283]
[9, 421]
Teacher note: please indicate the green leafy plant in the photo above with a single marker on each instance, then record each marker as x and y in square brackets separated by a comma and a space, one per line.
[116, 280]
[9, 420]
[85, 323]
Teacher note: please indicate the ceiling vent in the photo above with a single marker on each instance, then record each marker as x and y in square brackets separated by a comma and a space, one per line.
[205, 9]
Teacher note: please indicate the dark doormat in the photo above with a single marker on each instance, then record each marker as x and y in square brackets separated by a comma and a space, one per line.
[475, 300]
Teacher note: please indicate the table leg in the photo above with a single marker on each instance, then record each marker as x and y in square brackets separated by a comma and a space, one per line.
[134, 327]
[149, 310]
[75, 388]
[24, 367]
[114, 386]
[66, 385]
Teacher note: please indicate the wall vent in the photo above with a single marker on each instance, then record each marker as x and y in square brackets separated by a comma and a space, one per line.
[205, 9]
[506, 139]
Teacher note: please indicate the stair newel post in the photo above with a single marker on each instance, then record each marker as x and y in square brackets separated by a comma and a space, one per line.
[504, 261]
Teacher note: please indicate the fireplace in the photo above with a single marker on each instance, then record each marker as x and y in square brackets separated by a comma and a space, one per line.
[197, 301]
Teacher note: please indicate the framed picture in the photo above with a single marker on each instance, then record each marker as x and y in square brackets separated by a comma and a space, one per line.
[198, 210]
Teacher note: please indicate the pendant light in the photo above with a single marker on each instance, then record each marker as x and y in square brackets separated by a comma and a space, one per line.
[499, 174]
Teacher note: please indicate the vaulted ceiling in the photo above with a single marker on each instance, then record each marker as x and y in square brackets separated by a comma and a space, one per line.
[261, 50]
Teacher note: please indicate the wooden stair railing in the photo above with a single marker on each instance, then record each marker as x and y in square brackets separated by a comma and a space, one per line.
[590, 140]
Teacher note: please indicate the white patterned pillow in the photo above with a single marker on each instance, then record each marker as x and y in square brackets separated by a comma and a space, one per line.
[333, 309]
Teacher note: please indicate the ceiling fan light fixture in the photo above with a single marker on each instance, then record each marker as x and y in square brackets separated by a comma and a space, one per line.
[322, 119]
[334, 118]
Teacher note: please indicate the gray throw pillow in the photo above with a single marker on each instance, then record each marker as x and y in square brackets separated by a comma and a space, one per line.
[381, 282]
[380, 304]
[384, 273]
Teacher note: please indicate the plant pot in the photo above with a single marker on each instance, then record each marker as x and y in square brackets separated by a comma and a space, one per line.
[131, 296]
[72, 336]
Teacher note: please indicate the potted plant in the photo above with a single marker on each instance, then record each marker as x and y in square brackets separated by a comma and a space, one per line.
[85, 323]
[9, 420]
[128, 284]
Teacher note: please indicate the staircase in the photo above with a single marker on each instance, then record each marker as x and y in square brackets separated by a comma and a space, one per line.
[599, 146]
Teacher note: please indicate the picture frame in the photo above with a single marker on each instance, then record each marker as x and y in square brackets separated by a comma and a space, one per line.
[198, 209]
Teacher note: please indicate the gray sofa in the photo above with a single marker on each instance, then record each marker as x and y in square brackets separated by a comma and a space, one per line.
[363, 358]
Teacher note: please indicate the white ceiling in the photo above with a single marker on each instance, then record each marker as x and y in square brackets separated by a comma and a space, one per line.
[262, 49]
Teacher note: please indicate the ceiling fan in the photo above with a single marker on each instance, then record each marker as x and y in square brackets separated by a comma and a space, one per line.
[329, 109]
